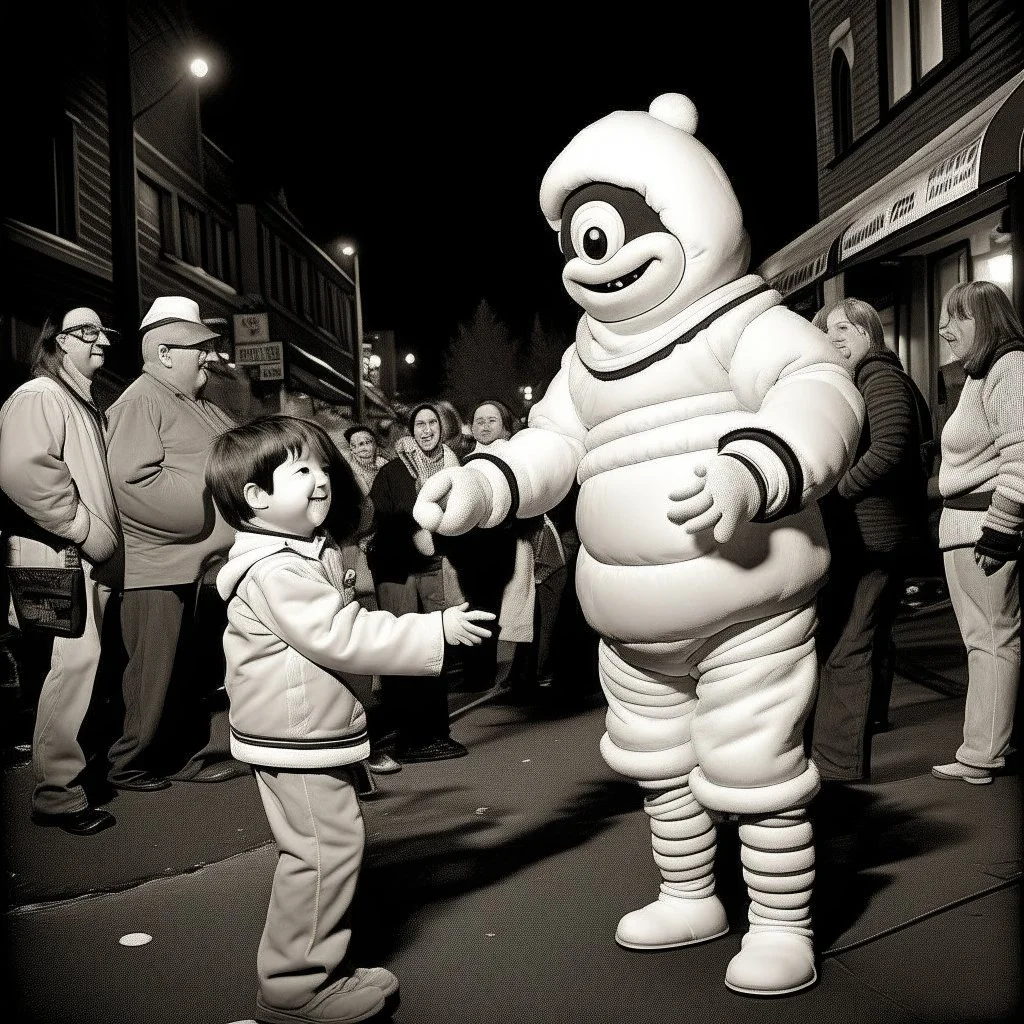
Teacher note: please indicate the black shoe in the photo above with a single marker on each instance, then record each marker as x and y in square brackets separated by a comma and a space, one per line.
[142, 782]
[435, 750]
[86, 822]
[382, 763]
[220, 771]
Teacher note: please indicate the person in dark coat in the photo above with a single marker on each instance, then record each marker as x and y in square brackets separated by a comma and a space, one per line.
[411, 576]
[874, 518]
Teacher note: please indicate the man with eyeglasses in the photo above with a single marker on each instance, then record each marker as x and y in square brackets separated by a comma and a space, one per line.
[159, 434]
[57, 492]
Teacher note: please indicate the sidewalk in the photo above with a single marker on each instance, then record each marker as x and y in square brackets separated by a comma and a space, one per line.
[493, 884]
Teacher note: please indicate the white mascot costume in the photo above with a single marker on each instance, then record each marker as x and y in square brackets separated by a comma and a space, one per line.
[703, 421]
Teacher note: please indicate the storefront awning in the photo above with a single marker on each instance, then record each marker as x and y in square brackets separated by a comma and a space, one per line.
[981, 148]
[319, 377]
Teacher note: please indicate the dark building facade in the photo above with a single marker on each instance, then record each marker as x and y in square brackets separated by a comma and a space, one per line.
[920, 116]
[78, 229]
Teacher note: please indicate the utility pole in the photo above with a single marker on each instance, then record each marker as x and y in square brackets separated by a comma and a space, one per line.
[123, 220]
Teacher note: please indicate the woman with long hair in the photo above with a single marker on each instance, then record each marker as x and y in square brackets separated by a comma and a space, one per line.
[981, 480]
[874, 518]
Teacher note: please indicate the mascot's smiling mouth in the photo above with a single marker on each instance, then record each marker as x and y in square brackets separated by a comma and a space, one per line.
[620, 282]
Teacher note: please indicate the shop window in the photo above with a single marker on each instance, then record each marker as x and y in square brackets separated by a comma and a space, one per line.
[920, 36]
[840, 43]
[842, 104]
[44, 189]
[947, 269]
[221, 252]
[190, 222]
[154, 206]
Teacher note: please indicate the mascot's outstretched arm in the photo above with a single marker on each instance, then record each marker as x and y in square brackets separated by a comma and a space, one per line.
[532, 474]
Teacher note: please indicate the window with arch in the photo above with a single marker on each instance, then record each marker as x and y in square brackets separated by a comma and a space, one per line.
[842, 103]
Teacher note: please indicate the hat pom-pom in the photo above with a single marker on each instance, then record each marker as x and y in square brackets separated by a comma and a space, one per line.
[676, 110]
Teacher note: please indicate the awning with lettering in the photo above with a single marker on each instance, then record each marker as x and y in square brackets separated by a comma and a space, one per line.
[979, 149]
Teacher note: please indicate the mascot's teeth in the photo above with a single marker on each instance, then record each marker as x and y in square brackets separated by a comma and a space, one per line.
[620, 282]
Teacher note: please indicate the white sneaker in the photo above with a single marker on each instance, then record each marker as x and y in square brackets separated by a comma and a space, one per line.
[772, 963]
[671, 921]
[378, 977]
[964, 772]
[345, 1002]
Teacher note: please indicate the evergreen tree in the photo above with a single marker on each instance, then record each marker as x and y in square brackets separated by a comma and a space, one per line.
[481, 361]
[542, 358]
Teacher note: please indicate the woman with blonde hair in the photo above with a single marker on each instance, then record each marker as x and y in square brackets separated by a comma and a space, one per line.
[981, 480]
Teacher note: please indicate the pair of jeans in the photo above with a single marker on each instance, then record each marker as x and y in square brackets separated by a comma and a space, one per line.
[857, 608]
[987, 609]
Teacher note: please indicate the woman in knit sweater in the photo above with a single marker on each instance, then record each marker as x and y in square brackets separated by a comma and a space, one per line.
[982, 485]
[874, 517]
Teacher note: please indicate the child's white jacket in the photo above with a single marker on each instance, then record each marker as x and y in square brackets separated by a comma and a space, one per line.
[293, 630]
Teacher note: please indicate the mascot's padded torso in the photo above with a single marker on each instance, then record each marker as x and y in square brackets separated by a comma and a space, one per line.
[640, 578]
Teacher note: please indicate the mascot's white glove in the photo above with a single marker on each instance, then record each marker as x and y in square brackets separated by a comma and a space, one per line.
[722, 495]
[453, 501]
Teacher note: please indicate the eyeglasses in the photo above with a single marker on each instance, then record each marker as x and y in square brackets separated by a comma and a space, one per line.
[91, 332]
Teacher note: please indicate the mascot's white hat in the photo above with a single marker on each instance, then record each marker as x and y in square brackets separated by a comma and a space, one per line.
[655, 153]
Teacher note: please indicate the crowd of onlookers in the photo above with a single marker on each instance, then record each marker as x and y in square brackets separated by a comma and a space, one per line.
[120, 493]
[121, 490]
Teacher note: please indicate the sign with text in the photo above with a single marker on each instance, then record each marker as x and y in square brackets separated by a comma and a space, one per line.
[264, 352]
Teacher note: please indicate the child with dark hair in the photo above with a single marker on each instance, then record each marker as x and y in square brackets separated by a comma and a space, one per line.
[293, 630]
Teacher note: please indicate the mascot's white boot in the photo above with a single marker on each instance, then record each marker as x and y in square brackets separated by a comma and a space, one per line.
[687, 911]
[777, 955]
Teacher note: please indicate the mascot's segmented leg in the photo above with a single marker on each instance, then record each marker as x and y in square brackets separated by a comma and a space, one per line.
[648, 739]
[777, 956]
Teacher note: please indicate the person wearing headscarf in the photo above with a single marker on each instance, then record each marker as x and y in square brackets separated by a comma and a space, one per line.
[411, 576]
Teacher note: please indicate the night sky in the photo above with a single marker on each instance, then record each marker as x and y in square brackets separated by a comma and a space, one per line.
[425, 138]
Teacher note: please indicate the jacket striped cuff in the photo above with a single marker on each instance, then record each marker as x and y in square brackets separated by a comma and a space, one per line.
[498, 515]
[785, 455]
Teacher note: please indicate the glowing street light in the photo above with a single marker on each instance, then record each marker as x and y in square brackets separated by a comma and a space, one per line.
[410, 358]
[199, 67]
[349, 250]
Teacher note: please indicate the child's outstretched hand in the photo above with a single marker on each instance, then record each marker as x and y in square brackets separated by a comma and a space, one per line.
[460, 625]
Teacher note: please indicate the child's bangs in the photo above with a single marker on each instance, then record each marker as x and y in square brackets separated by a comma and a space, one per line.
[314, 441]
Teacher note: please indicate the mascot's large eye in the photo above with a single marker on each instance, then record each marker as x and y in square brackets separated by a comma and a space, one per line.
[597, 231]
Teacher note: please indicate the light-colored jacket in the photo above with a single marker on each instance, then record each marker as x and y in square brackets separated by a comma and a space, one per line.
[983, 456]
[53, 467]
[157, 443]
[293, 629]
[743, 376]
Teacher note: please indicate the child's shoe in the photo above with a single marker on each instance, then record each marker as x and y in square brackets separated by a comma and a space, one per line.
[966, 772]
[345, 1002]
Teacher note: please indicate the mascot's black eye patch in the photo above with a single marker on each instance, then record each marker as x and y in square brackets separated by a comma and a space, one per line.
[637, 217]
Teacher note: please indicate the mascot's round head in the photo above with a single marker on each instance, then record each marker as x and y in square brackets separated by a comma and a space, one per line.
[647, 220]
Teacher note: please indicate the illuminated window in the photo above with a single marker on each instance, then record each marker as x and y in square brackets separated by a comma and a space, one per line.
[920, 36]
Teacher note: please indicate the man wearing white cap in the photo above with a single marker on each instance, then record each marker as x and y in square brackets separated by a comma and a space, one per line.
[53, 471]
[159, 433]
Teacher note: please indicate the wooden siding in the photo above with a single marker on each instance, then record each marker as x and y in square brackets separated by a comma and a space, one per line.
[991, 54]
[88, 106]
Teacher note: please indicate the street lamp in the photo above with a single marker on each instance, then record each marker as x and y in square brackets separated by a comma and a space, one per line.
[121, 119]
[410, 358]
[348, 249]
